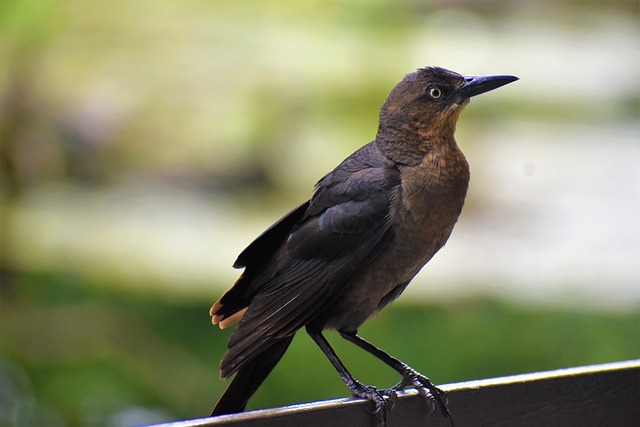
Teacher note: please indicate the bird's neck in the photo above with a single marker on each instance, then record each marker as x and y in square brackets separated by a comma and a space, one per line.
[409, 146]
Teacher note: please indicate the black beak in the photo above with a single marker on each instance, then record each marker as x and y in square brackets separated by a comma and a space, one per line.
[475, 85]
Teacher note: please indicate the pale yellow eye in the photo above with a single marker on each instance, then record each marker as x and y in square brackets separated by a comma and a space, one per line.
[435, 93]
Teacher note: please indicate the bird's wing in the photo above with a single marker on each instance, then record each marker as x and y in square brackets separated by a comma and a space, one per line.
[311, 253]
[254, 258]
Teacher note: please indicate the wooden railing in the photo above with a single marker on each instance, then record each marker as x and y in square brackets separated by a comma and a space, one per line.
[601, 395]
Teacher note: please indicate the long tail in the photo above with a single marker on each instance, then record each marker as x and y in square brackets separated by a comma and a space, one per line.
[249, 377]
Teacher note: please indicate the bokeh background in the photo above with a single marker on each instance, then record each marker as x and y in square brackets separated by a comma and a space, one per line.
[144, 144]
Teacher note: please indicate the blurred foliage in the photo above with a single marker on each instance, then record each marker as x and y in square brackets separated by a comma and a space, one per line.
[144, 143]
[93, 354]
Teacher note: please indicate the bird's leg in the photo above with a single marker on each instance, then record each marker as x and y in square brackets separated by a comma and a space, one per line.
[410, 377]
[356, 388]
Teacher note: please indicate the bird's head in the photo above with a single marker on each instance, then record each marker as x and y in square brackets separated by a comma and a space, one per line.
[429, 101]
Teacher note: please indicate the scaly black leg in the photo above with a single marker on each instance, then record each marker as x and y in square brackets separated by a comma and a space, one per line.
[410, 377]
[356, 388]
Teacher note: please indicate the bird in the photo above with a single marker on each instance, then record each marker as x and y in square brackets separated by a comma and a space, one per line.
[369, 227]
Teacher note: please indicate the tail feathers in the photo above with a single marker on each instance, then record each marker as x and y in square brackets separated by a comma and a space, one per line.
[249, 377]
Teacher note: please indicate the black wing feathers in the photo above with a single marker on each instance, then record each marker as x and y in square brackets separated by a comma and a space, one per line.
[247, 381]
[301, 262]
[254, 258]
[266, 243]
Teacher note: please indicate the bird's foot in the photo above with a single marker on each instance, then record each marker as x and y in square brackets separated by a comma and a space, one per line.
[435, 397]
[383, 399]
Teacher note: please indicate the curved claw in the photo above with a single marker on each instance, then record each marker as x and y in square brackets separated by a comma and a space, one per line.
[381, 414]
[392, 397]
[435, 397]
[378, 398]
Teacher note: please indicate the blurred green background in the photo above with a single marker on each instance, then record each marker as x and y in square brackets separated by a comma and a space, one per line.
[144, 144]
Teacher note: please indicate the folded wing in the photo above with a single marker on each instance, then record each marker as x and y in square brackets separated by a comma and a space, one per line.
[302, 263]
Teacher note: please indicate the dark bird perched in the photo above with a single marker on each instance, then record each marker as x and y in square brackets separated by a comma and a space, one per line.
[339, 258]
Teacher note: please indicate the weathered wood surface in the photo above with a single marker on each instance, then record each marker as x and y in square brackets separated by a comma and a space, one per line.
[600, 395]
